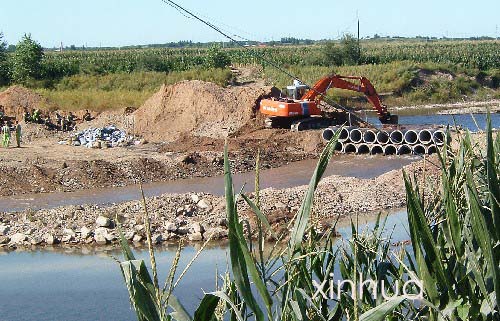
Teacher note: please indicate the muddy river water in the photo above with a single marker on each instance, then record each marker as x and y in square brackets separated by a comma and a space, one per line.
[294, 174]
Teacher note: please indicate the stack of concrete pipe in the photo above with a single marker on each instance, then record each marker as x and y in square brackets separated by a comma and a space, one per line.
[393, 142]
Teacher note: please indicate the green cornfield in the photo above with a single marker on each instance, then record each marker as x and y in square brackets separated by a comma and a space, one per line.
[482, 55]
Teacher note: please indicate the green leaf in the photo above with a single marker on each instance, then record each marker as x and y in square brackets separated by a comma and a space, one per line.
[206, 309]
[241, 261]
[179, 313]
[304, 213]
[380, 312]
[137, 279]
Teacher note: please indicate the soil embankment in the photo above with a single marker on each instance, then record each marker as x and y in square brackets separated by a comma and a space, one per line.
[200, 216]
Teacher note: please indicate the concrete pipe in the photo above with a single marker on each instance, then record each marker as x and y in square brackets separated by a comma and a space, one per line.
[404, 149]
[382, 137]
[344, 134]
[438, 137]
[350, 148]
[339, 146]
[411, 137]
[419, 149]
[355, 135]
[431, 149]
[390, 149]
[376, 149]
[425, 136]
[363, 149]
[369, 136]
[328, 134]
[396, 137]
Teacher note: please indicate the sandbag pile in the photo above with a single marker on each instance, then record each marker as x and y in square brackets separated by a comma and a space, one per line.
[108, 136]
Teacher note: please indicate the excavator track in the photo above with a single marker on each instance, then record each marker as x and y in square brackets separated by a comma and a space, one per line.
[299, 123]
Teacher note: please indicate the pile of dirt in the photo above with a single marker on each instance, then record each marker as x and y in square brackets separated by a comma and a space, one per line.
[17, 99]
[197, 107]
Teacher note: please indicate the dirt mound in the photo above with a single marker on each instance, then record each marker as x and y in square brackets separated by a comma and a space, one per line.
[17, 99]
[197, 107]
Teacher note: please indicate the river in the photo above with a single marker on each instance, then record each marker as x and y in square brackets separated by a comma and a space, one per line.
[76, 285]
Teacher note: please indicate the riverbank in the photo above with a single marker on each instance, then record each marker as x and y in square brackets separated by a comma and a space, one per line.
[197, 217]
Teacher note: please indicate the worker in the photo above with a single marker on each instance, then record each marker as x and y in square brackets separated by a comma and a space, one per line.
[87, 116]
[5, 135]
[48, 123]
[18, 134]
[36, 116]
[70, 121]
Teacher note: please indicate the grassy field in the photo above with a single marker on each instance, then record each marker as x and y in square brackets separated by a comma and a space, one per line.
[120, 90]
[411, 72]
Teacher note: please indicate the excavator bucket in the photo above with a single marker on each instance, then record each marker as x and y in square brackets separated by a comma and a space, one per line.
[389, 119]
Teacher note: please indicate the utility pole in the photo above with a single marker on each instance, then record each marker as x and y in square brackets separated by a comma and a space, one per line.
[359, 46]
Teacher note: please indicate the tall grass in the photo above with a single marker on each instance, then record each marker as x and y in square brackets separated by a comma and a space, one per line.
[455, 232]
[454, 252]
[120, 90]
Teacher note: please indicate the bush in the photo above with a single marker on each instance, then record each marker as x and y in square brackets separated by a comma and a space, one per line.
[333, 55]
[351, 50]
[27, 60]
[4, 68]
[216, 58]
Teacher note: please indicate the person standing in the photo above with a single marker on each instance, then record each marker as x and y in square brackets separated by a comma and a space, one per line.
[18, 134]
[5, 135]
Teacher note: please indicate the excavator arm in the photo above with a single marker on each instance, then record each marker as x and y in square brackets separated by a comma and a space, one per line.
[342, 82]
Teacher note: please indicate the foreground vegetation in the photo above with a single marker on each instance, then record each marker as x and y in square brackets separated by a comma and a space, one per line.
[453, 253]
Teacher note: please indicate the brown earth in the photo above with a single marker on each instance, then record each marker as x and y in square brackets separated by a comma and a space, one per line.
[17, 99]
[198, 108]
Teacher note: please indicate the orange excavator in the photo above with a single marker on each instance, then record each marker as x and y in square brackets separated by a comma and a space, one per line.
[299, 108]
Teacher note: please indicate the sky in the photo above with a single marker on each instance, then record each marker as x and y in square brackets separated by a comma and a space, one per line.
[117, 23]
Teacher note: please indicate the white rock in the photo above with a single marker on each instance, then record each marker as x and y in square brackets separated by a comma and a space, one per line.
[49, 239]
[170, 227]
[66, 238]
[85, 232]
[137, 238]
[68, 231]
[100, 239]
[197, 227]
[195, 198]
[101, 231]
[103, 221]
[18, 238]
[215, 233]
[4, 229]
[203, 204]
[195, 237]
[36, 240]
[129, 235]
[110, 236]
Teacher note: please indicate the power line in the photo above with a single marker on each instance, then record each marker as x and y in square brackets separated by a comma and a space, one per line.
[190, 14]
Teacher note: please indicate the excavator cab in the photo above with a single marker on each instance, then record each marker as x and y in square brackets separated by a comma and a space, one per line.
[296, 92]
